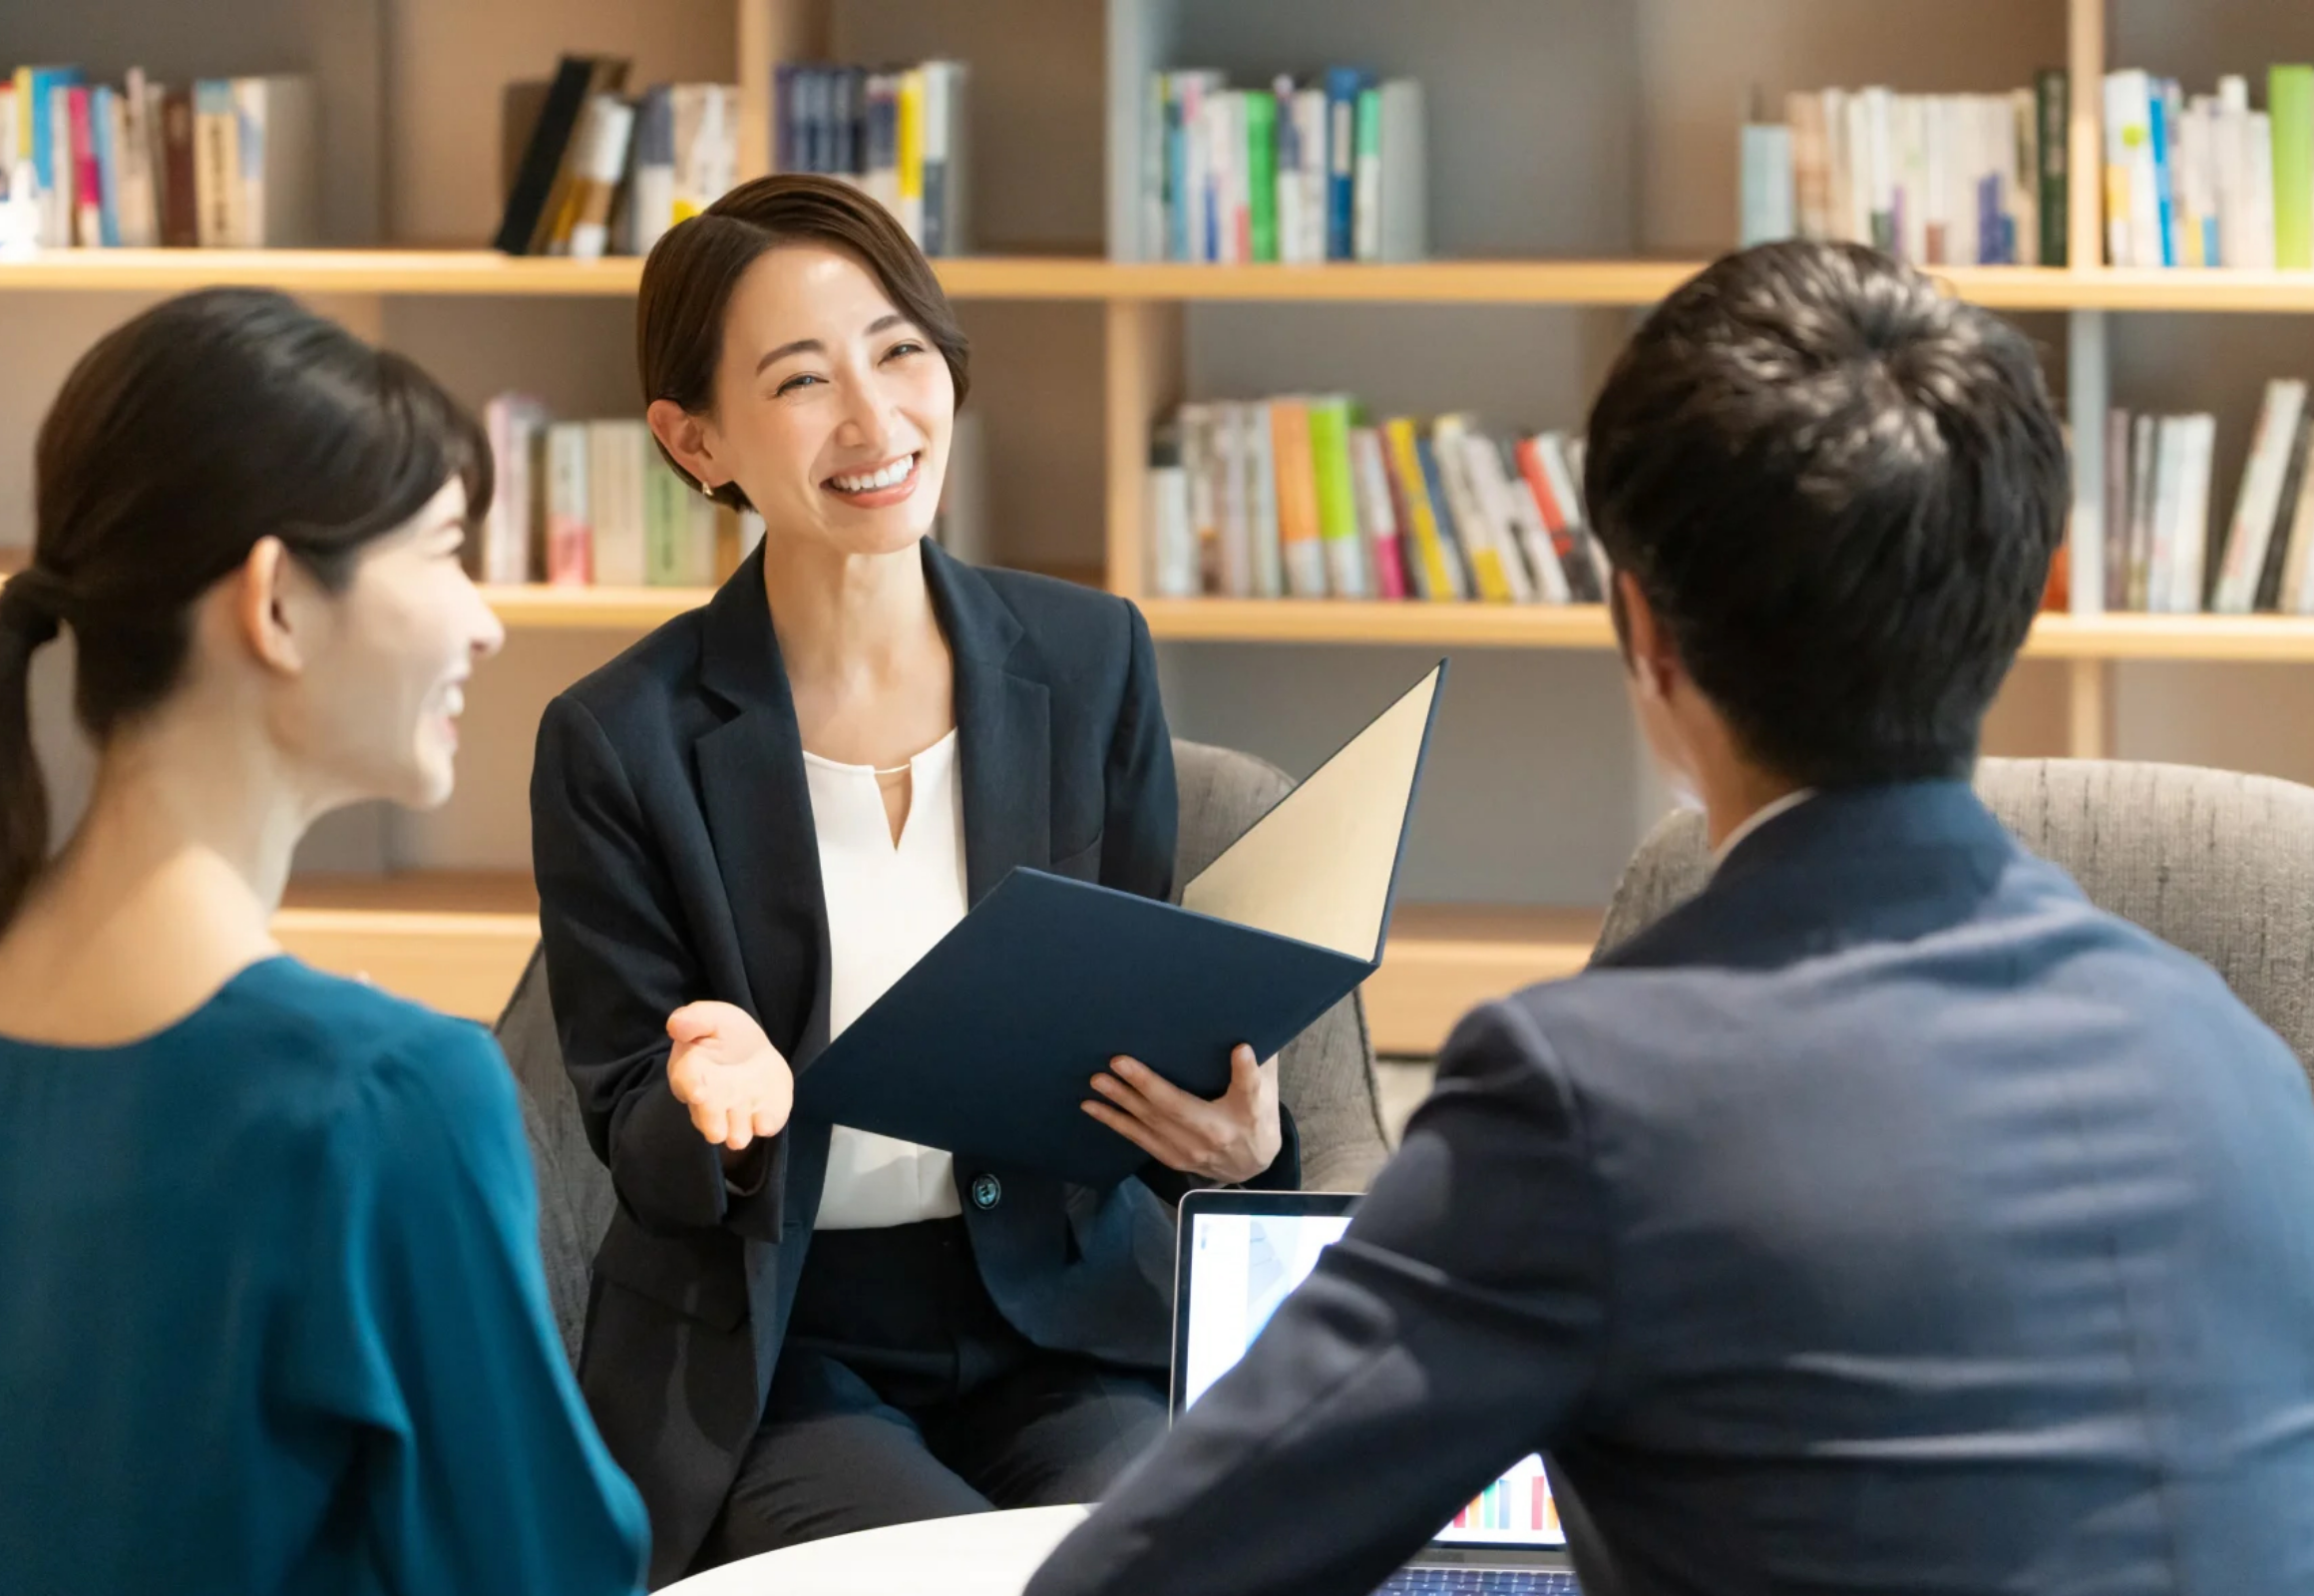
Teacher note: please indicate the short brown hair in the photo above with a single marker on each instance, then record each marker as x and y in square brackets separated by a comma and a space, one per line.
[688, 281]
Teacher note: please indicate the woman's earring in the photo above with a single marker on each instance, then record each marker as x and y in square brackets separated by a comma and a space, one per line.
[706, 492]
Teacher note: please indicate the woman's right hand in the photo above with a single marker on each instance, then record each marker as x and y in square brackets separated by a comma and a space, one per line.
[727, 1072]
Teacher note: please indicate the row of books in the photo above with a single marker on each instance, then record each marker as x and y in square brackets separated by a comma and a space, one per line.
[1938, 179]
[2208, 180]
[224, 162]
[1293, 173]
[2165, 550]
[599, 172]
[1301, 497]
[898, 132]
[582, 502]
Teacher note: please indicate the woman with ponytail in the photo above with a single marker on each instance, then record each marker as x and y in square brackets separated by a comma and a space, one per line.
[272, 1318]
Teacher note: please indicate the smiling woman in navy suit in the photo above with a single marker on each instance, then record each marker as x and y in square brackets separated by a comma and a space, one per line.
[749, 826]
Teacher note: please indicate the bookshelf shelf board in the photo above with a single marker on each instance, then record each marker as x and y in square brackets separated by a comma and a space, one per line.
[460, 941]
[2271, 638]
[1092, 279]
[2118, 288]
[541, 607]
[381, 272]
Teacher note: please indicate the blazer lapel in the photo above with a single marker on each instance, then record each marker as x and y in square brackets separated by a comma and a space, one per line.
[1004, 730]
[759, 815]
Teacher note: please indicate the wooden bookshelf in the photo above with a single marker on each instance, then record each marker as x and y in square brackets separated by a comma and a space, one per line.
[459, 943]
[2272, 639]
[483, 272]
[454, 941]
[1442, 960]
[2281, 639]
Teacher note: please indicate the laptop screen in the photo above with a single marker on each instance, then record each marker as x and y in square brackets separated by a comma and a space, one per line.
[1240, 1256]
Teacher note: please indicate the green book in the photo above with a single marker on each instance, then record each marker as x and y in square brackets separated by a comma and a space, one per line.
[1262, 174]
[2053, 105]
[666, 525]
[2290, 96]
[1330, 423]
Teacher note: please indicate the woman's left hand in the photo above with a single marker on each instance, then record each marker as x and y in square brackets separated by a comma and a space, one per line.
[1227, 1141]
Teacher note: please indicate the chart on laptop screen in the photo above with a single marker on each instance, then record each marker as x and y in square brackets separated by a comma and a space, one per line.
[1243, 1267]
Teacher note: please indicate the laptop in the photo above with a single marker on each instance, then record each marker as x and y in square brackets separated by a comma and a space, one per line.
[1239, 1253]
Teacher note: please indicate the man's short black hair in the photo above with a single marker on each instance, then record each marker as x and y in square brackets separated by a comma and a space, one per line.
[1840, 491]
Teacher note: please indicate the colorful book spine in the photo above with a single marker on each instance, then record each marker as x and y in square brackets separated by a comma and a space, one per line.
[1343, 87]
[1378, 511]
[1300, 537]
[1261, 114]
[1337, 523]
[1436, 573]
[2290, 102]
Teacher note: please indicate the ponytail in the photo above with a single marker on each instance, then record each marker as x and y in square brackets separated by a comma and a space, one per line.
[28, 619]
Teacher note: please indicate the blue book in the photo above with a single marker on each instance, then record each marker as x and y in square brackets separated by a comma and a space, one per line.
[2162, 192]
[1459, 553]
[101, 101]
[783, 110]
[1343, 87]
[1769, 203]
[1988, 221]
[844, 96]
[1177, 197]
[987, 1045]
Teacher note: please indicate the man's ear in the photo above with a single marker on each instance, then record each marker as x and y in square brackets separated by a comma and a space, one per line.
[272, 607]
[1646, 650]
[689, 440]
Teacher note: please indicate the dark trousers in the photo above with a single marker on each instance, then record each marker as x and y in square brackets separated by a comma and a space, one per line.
[902, 1393]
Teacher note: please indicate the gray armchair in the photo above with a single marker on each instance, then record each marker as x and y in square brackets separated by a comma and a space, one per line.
[2218, 863]
[1325, 1078]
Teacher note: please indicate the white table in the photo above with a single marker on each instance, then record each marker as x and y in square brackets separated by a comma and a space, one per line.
[980, 1554]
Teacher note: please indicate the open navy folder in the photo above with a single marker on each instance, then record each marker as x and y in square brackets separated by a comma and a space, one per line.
[988, 1044]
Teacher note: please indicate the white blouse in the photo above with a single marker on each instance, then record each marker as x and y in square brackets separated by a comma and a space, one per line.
[888, 903]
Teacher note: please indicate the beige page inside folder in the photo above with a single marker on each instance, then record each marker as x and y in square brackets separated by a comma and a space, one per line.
[1317, 867]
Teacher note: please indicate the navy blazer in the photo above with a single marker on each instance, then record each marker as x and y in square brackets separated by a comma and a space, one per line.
[1885, 1219]
[676, 861]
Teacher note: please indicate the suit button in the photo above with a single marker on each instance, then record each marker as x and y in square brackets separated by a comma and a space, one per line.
[987, 1192]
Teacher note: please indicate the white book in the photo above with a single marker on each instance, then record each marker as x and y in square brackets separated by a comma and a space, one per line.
[279, 152]
[2145, 245]
[1172, 546]
[2198, 458]
[1309, 122]
[1214, 204]
[1526, 519]
[1486, 538]
[616, 498]
[1838, 211]
[514, 423]
[2168, 511]
[569, 524]
[2232, 157]
[2144, 460]
[1482, 470]
[1261, 468]
[1153, 163]
[1404, 230]
[2260, 500]
[607, 130]
[1857, 203]
[1912, 183]
[2261, 192]
[1378, 511]
[1196, 423]
[1195, 162]
[2120, 237]
[1366, 186]
[1237, 555]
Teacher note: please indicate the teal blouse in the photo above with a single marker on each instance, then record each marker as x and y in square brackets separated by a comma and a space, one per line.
[273, 1316]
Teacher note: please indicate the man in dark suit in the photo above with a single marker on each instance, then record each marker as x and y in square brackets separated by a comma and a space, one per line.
[1885, 1219]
